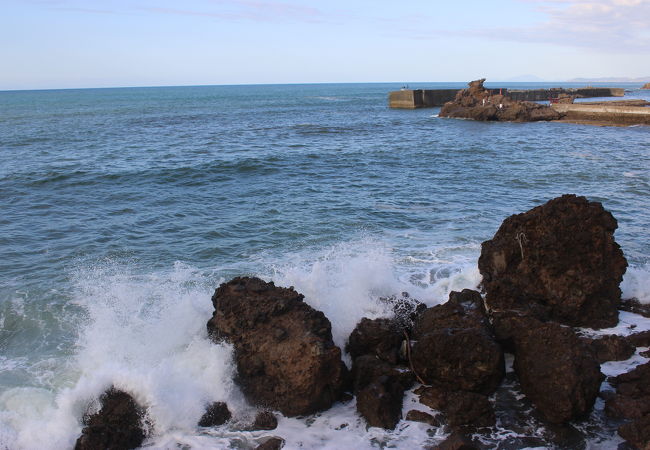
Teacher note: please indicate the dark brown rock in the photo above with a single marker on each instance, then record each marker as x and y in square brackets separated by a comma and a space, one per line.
[379, 337]
[611, 348]
[459, 407]
[456, 441]
[478, 103]
[558, 261]
[556, 369]
[380, 402]
[463, 310]
[460, 359]
[265, 420]
[274, 443]
[637, 433]
[368, 368]
[635, 306]
[117, 425]
[632, 399]
[641, 339]
[285, 356]
[420, 416]
[406, 309]
[216, 414]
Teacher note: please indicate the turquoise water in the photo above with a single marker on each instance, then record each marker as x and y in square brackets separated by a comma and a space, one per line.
[121, 207]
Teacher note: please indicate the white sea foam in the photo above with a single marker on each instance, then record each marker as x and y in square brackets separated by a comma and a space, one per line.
[636, 283]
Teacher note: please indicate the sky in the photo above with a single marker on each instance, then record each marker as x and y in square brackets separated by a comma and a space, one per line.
[76, 43]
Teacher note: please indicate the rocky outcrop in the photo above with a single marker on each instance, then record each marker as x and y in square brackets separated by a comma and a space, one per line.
[379, 337]
[646, 86]
[459, 407]
[455, 347]
[632, 401]
[557, 370]
[558, 261]
[478, 103]
[284, 352]
[117, 425]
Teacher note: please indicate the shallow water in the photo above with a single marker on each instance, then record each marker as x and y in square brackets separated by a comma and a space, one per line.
[123, 209]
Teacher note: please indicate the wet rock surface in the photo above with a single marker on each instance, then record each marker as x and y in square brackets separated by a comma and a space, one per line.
[635, 306]
[380, 337]
[117, 425]
[285, 356]
[558, 372]
[456, 441]
[274, 443]
[558, 261]
[216, 414]
[459, 407]
[265, 420]
[478, 103]
[611, 348]
[632, 401]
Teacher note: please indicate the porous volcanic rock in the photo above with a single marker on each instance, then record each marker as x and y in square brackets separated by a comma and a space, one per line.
[117, 425]
[558, 261]
[478, 103]
[379, 337]
[558, 372]
[285, 356]
[216, 414]
[459, 407]
[632, 401]
[455, 347]
[611, 348]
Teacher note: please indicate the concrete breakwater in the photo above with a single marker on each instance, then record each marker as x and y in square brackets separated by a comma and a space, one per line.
[603, 114]
[429, 98]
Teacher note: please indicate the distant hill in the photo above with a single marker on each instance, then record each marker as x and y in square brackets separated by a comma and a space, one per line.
[610, 80]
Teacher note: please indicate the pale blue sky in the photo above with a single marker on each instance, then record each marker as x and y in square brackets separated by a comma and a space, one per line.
[76, 43]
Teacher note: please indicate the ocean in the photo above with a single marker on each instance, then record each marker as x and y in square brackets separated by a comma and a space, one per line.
[123, 209]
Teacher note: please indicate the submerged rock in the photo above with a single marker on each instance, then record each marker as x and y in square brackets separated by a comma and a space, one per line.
[274, 443]
[117, 425]
[285, 356]
[478, 103]
[558, 261]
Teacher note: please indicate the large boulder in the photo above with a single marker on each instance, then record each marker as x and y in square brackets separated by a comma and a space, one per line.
[117, 425]
[460, 408]
[646, 86]
[558, 372]
[380, 337]
[558, 261]
[455, 347]
[478, 103]
[284, 352]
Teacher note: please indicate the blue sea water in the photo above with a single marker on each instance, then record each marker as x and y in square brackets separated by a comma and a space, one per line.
[122, 210]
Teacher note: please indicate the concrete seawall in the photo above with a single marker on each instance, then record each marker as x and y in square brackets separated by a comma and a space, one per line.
[429, 98]
[604, 114]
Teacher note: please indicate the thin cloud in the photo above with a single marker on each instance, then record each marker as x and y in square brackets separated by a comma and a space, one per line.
[612, 25]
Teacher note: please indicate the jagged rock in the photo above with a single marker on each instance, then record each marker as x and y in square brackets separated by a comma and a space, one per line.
[463, 310]
[456, 441]
[117, 425]
[406, 309]
[285, 356]
[641, 339]
[637, 433]
[480, 104]
[274, 443]
[265, 420]
[633, 305]
[380, 402]
[558, 261]
[556, 369]
[632, 399]
[611, 348]
[420, 416]
[379, 337]
[216, 414]
[459, 407]
[368, 368]
[460, 359]
[646, 86]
